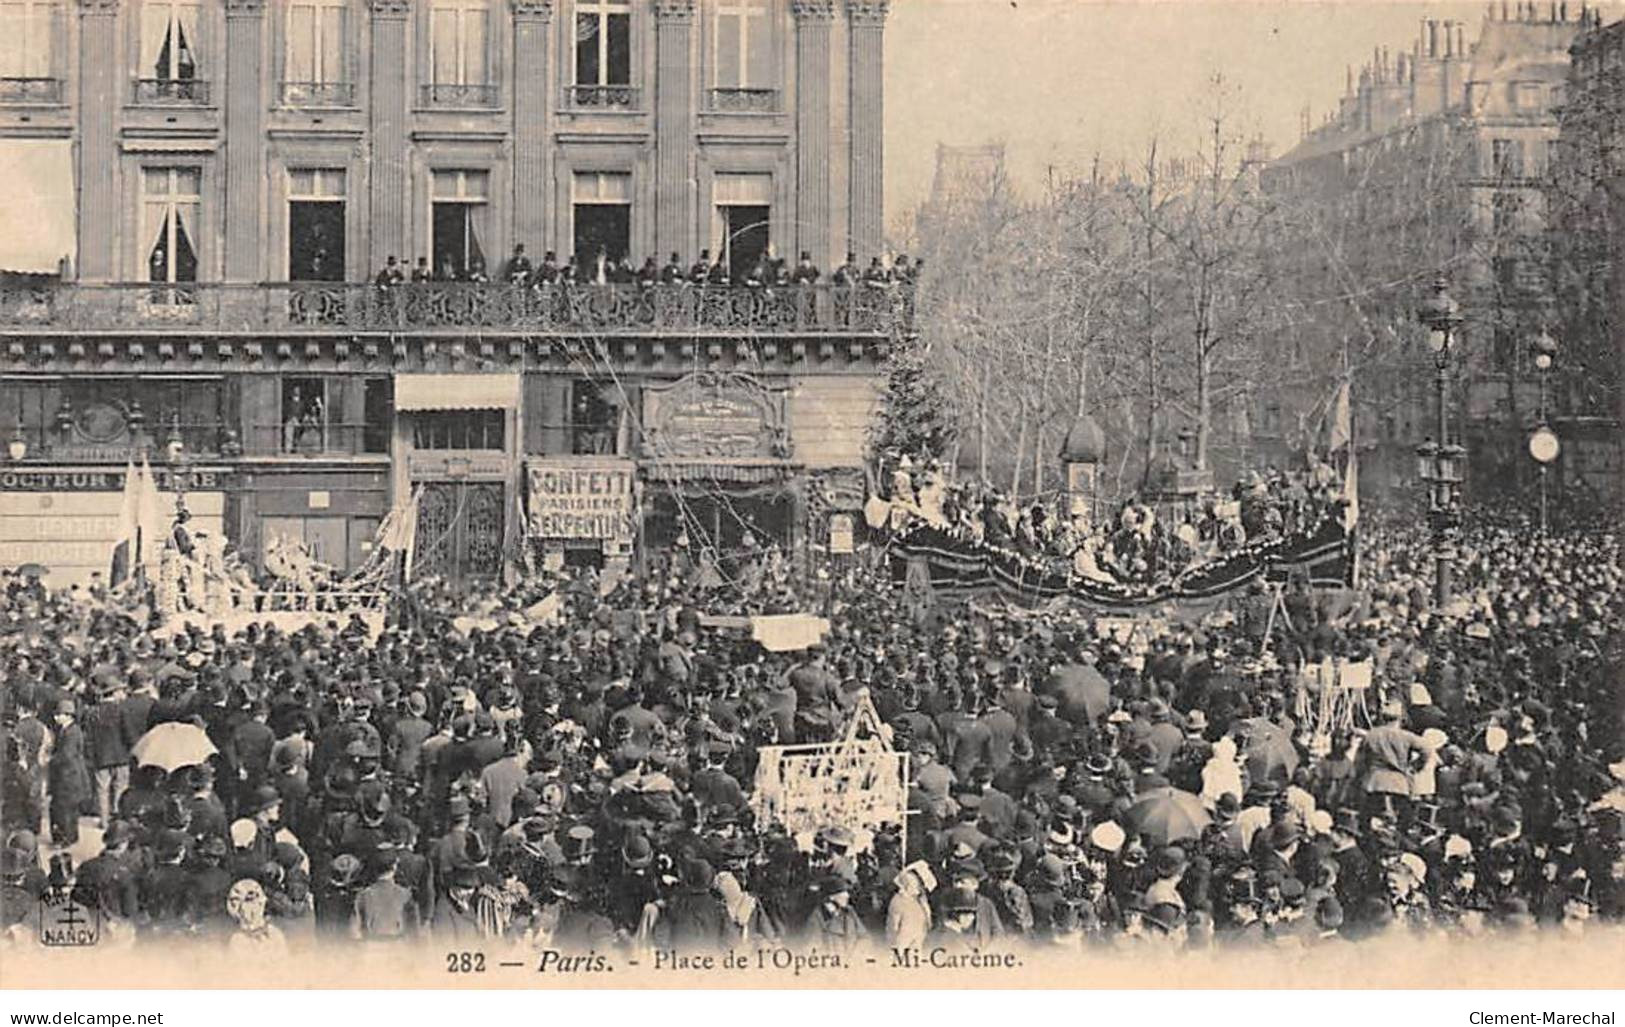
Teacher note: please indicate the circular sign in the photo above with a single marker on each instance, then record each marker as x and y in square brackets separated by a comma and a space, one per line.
[1543, 445]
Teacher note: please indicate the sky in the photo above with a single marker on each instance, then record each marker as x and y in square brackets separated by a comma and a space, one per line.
[1060, 80]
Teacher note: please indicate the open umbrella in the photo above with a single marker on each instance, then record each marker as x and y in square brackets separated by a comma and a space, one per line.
[1080, 687]
[33, 570]
[1271, 756]
[172, 746]
[1163, 816]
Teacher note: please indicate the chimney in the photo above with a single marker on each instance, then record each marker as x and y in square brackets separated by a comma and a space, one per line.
[1563, 11]
[1504, 11]
[1449, 39]
[1461, 40]
[1433, 39]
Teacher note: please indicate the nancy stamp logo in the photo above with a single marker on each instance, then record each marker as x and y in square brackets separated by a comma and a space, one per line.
[64, 923]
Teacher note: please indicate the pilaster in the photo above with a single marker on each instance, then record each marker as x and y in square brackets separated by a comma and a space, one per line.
[102, 94]
[388, 104]
[866, 82]
[674, 128]
[532, 90]
[815, 20]
[245, 141]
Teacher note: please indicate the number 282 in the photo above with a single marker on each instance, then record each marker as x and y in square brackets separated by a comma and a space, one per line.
[465, 962]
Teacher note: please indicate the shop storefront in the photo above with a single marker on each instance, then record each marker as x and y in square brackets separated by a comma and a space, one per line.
[581, 511]
[719, 465]
[457, 437]
[67, 519]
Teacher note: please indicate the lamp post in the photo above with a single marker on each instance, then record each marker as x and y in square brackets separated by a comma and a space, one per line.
[1440, 465]
[175, 449]
[1543, 444]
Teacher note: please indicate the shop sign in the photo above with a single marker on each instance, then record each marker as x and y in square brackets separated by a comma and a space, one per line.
[572, 498]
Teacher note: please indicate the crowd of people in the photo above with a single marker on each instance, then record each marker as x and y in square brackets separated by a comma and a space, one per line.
[568, 763]
[602, 268]
[1142, 543]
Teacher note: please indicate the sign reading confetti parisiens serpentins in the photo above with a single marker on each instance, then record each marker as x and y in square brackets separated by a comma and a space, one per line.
[573, 498]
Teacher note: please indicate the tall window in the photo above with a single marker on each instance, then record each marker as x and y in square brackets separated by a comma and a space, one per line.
[459, 43]
[27, 33]
[603, 43]
[1506, 157]
[743, 35]
[461, 214]
[603, 220]
[314, 70]
[316, 224]
[169, 212]
[169, 40]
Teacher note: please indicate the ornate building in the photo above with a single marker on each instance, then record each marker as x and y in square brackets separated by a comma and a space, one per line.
[1439, 158]
[213, 188]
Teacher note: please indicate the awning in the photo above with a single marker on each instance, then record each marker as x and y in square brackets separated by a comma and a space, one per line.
[37, 223]
[456, 391]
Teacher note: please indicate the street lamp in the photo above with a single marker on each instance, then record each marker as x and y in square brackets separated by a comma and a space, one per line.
[1440, 466]
[1543, 444]
[175, 449]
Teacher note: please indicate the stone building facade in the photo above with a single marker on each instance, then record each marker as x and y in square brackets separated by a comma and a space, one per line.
[215, 187]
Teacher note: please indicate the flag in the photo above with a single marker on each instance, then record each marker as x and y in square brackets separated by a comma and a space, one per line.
[154, 518]
[399, 533]
[1342, 432]
[1351, 493]
[127, 543]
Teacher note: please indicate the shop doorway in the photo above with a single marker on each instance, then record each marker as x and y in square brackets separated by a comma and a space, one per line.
[460, 531]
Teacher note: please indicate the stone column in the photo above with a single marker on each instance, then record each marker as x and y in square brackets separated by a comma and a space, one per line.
[389, 99]
[532, 88]
[815, 21]
[102, 92]
[866, 113]
[674, 128]
[242, 71]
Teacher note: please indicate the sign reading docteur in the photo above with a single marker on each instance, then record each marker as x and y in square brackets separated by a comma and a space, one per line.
[582, 499]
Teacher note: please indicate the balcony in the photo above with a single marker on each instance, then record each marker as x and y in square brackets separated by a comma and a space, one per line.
[324, 308]
[742, 101]
[312, 438]
[614, 98]
[30, 90]
[172, 92]
[458, 96]
[318, 94]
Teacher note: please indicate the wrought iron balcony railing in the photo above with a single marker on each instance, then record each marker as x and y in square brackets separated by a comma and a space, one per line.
[601, 97]
[172, 92]
[318, 94]
[458, 95]
[30, 90]
[746, 101]
[585, 310]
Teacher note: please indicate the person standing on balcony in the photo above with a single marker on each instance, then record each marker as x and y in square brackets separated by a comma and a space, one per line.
[548, 273]
[649, 273]
[518, 269]
[672, 273]
[421, 273]
[847, 273]
[699, 272]
[806, 272]
[877, 275]
[391, 274]
[719, 275]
